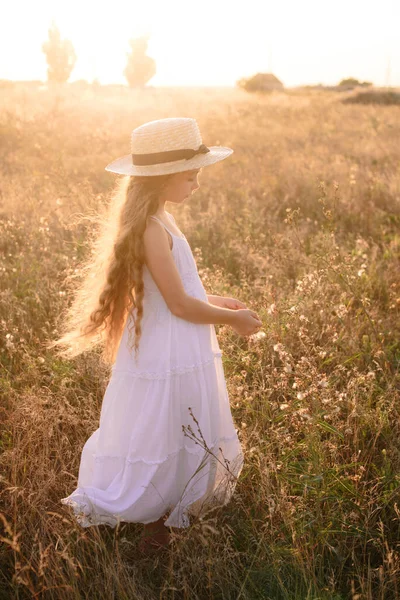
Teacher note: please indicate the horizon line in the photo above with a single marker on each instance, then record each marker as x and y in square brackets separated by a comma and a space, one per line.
[153, 86]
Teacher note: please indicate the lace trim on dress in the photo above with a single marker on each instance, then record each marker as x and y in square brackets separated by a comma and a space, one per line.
[197, 450]
[87, 516]
[190, 282]
[189, 277]
[169, 372]
[157, 305]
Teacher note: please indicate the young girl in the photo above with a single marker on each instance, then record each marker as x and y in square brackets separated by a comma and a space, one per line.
[166, 446]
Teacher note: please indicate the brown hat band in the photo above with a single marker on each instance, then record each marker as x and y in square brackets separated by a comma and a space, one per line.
[156, 158]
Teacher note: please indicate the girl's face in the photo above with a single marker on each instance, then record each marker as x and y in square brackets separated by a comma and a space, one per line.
[182, 185]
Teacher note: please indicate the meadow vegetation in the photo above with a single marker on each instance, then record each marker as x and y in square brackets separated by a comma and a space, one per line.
[302, 224]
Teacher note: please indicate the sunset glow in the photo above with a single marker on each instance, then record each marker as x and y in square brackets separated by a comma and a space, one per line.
[213, 43]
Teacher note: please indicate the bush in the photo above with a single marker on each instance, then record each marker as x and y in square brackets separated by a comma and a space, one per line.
[374, 97]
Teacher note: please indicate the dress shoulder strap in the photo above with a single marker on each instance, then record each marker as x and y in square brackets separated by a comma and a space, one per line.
[165, 227]
[163, 224]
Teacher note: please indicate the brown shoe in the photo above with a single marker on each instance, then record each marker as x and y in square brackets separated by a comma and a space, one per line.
[153, 542]
[155, 536]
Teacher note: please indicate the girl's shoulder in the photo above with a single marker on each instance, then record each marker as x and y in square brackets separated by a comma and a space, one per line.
[153, 225]
[172, 216]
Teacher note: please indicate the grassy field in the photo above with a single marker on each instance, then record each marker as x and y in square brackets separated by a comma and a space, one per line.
[302, 224]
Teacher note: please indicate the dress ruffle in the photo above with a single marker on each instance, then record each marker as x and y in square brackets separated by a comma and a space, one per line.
[184, 483]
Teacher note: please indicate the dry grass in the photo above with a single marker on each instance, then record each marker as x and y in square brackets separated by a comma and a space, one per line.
[301, 223]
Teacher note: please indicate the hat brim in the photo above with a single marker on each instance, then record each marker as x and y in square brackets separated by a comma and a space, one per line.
[124, 165]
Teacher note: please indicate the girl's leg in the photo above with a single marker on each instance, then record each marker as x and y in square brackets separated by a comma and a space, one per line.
[155, 535]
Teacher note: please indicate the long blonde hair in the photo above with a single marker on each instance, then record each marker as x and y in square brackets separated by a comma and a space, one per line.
[112, 286]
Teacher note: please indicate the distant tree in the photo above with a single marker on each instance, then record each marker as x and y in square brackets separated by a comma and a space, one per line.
[140, 67]
[60, 56]
[350, 82]
[263, 82]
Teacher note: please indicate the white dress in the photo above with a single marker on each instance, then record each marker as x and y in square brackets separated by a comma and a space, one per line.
[143, 461]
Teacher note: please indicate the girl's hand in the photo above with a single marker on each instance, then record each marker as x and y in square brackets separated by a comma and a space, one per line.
[232, 303]
[245, 322]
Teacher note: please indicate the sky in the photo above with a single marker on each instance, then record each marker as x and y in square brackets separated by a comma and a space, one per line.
[212, 42]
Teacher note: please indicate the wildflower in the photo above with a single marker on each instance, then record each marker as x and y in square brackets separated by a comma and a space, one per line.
[300, 395]
[271, 506]
[341, 310]
[283, 406]
[271, 309]
[258, 336]
[304, 414]
[9, 343]
[278, 347]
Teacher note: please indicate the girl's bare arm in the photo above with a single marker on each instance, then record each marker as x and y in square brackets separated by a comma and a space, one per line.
[215, 300]
[198, 311]
[160, 262]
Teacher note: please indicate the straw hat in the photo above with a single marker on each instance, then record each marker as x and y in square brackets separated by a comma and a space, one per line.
[167, 146]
